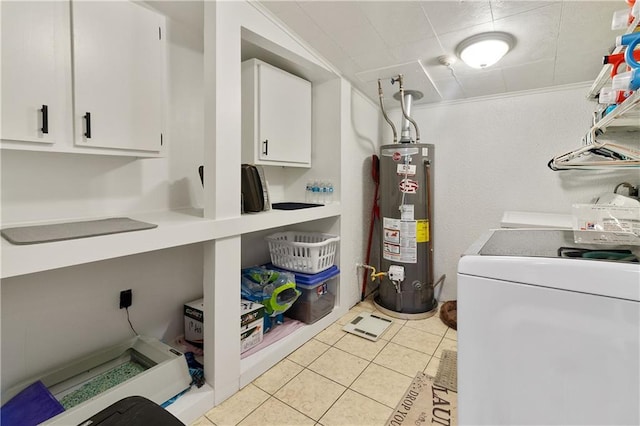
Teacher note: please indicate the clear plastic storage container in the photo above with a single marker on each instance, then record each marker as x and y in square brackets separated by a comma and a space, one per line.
[318, 295]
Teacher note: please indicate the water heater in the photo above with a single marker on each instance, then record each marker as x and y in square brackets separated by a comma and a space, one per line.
[406, 288]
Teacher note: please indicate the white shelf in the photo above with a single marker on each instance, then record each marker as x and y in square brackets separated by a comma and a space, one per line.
[193, 404]
[605, 73]
[175, 228]
[254, 365]
[7, 144]
[252, 222]
[627, 114]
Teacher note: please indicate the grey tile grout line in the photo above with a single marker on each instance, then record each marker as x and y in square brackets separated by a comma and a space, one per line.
[300, 372]
[354, 380]
[369, 362]
[272, 395]
[431, 356]
[372, 361]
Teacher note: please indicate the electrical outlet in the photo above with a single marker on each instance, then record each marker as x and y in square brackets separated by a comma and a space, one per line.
[126, 298]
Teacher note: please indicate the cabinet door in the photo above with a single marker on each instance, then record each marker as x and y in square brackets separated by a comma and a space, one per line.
[118, 75]
[28, 71]
[284, 115]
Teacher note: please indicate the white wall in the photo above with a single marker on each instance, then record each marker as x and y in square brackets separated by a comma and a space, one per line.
[491, 156]
[52, 317]
[361, 141]
[186, 115]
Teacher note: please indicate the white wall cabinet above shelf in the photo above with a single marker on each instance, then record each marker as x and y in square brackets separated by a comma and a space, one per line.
[95, 70]
[31, 105]
[604, 76]
[276, 116]
[118, 75]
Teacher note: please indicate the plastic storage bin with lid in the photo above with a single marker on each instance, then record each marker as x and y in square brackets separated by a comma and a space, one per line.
[318, 295]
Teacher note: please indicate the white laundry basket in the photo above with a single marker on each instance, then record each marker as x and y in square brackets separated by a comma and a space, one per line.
[306, 252]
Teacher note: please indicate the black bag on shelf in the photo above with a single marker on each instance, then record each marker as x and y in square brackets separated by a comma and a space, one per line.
[252, 191]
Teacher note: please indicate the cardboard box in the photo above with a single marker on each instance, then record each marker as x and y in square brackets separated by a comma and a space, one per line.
[251, 324]
[193, 322]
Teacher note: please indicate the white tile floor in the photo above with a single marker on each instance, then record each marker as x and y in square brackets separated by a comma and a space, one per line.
[338, 379]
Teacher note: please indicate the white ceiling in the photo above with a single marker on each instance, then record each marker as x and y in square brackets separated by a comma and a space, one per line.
[558, 42]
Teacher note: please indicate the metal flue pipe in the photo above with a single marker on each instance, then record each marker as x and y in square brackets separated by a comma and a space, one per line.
[384, 113]
[407, 98]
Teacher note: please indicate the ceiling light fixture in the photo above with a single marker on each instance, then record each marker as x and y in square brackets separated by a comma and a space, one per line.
[485, 49]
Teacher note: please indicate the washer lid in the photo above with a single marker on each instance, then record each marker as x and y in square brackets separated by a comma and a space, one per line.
[517, 219]
[531, 257]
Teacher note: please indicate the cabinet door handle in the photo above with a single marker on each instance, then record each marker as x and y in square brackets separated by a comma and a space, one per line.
[45, 119]
[87, 118]
[265, 144]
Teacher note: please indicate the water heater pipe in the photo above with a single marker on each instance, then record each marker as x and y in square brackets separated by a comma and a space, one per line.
[404, 112]
[427, 175]
[433, 283]
[384, 113]
[375, 214]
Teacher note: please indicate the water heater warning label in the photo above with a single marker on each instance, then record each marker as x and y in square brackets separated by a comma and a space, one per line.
[406, 169]
[422, 231]
[392, 236]
[400, 244]
[392, 250]
[408, 186]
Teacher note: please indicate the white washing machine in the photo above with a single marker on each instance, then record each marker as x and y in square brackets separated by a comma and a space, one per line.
[547, 334]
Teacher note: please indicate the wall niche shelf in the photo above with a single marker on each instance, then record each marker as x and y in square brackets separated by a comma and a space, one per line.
[175, 228]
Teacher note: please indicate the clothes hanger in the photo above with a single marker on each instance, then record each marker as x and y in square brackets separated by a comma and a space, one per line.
[594, 158]
[596, 155]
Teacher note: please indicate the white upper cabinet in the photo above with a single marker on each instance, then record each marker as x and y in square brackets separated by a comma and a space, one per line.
[276, 116]
[119, 66]
[29, 79]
